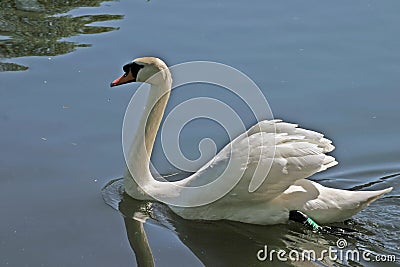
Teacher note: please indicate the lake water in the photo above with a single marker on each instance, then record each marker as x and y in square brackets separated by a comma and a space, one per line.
[329, 66]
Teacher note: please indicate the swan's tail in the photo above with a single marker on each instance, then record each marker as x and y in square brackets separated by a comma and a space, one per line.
[359, 200]
[367, 197]
[335, 205]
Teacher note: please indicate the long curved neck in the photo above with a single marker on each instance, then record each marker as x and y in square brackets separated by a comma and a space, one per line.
[140, 152]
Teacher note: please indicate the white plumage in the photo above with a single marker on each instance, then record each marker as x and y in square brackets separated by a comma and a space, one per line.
[293, 154]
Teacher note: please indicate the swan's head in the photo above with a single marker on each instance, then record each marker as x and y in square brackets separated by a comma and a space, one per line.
[145, 69]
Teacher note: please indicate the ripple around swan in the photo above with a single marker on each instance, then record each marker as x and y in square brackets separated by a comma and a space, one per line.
[376, 231]
[366, 177]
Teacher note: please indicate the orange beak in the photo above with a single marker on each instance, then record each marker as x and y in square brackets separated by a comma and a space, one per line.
[126, 78]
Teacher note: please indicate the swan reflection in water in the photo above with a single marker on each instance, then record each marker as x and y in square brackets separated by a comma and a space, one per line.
[227, 243]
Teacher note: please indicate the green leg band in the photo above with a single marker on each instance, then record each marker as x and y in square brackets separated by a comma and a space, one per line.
[313, 224]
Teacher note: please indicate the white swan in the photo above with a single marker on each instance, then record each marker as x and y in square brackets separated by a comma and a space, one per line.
[299, 153]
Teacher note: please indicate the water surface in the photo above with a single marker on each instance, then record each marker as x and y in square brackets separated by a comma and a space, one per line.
[331, 67]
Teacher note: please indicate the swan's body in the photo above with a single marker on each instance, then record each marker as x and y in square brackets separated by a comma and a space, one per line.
[299, 153]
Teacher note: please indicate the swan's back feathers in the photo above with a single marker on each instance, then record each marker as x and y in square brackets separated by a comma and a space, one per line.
[291, 153]
[279, 126]
[299, 153]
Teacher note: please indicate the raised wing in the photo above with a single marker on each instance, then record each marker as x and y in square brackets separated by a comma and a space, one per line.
[267, 159]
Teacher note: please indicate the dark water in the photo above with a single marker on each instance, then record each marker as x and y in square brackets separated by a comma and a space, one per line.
[332, 67]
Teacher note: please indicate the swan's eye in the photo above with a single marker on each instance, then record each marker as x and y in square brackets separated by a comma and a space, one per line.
[126, 68]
